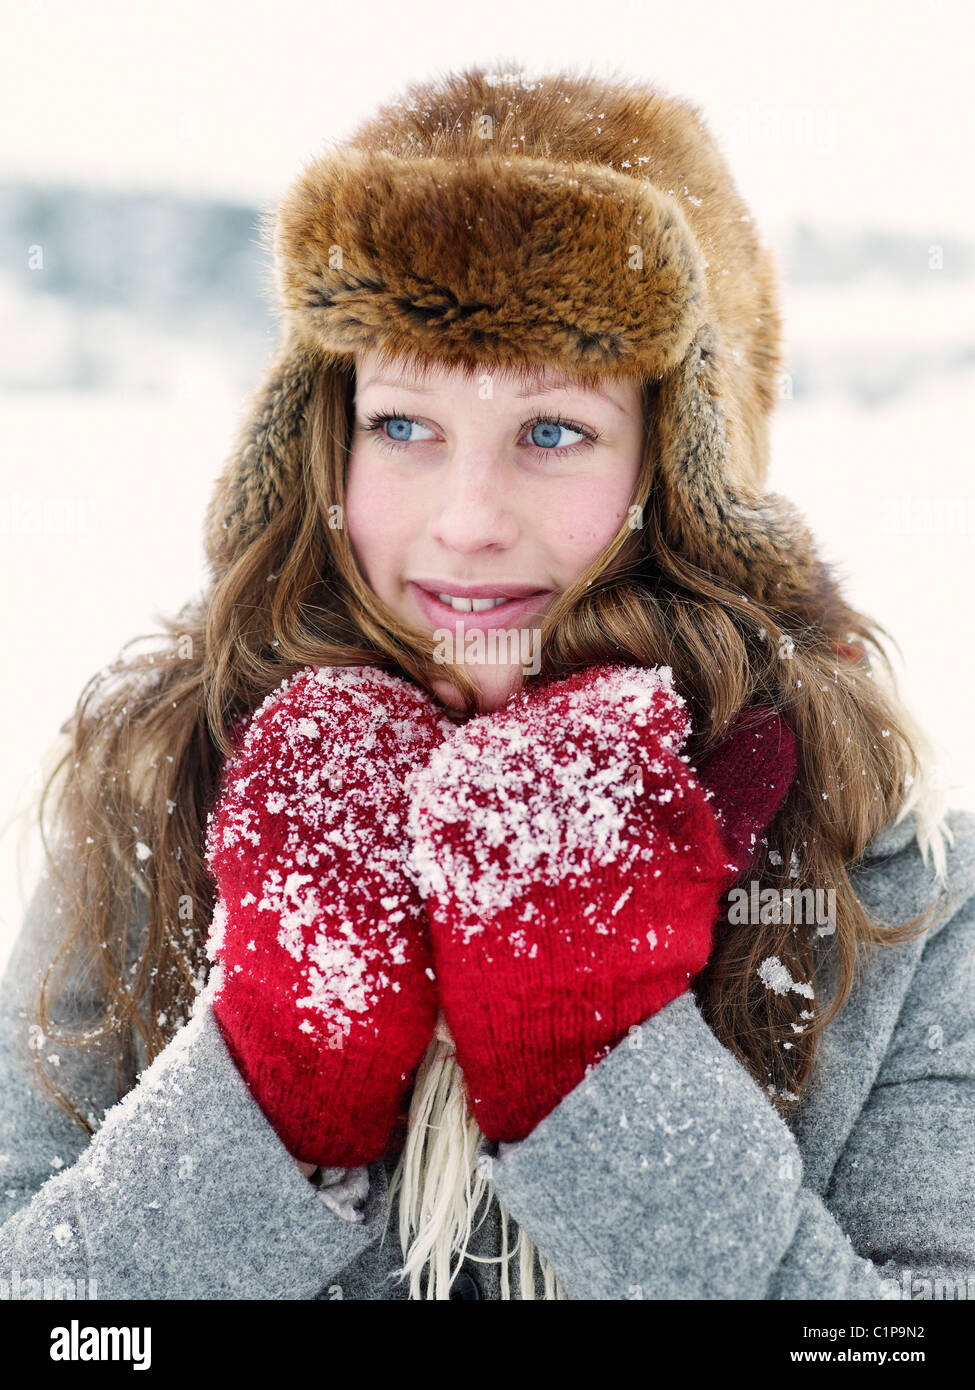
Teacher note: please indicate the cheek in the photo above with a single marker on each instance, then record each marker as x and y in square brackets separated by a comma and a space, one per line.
[586, 515]
[360, 502]
[375, 518]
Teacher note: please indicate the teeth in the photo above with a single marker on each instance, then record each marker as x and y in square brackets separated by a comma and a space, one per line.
[470, 605]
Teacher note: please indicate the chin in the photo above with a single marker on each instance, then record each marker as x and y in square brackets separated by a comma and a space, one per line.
[449, 696]
[499, 691]
[491, 695]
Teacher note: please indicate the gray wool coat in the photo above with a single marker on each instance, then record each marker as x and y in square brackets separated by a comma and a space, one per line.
[666, 1173]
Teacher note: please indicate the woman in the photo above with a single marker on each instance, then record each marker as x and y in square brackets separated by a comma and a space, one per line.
[273, 874]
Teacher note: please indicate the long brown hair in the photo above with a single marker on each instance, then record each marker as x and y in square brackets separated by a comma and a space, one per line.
[145, 745]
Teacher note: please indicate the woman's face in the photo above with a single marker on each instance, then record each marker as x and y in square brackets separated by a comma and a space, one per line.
[481, 488]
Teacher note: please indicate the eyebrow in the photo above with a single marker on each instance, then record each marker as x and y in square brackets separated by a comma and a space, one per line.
[520, 395]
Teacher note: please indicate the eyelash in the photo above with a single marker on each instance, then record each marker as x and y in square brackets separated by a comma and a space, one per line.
[378, 419]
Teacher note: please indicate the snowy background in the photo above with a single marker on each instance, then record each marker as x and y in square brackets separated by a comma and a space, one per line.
[139, 143]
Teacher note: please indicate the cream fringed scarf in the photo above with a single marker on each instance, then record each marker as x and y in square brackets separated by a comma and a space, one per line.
[441, 1187]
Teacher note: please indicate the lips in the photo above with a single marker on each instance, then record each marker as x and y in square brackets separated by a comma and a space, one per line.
[503, 615]
[488, 590]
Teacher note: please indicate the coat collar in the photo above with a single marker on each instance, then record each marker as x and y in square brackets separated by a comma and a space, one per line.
[892, 838]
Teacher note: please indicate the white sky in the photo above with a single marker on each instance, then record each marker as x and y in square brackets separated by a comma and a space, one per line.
[843, 112]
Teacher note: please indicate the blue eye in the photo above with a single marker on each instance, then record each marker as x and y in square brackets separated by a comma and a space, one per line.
[400, 426]
[545, 432]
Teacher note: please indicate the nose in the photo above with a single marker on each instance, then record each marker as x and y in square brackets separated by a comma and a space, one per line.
[474, 509]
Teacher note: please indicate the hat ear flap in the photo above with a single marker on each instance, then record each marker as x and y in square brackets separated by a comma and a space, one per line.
[265, 464]
[753, 540]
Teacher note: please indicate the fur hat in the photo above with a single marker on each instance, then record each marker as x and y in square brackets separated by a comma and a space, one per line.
[573, 221]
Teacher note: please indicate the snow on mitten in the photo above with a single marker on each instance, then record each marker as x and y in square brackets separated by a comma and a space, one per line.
[327, 1000]
[572, 866]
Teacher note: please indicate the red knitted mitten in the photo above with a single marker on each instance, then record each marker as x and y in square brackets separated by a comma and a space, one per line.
[327, 1000]
[573, 866]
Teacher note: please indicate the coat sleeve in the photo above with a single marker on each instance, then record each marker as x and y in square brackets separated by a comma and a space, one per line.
[668, 1174]
[184, 1191]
